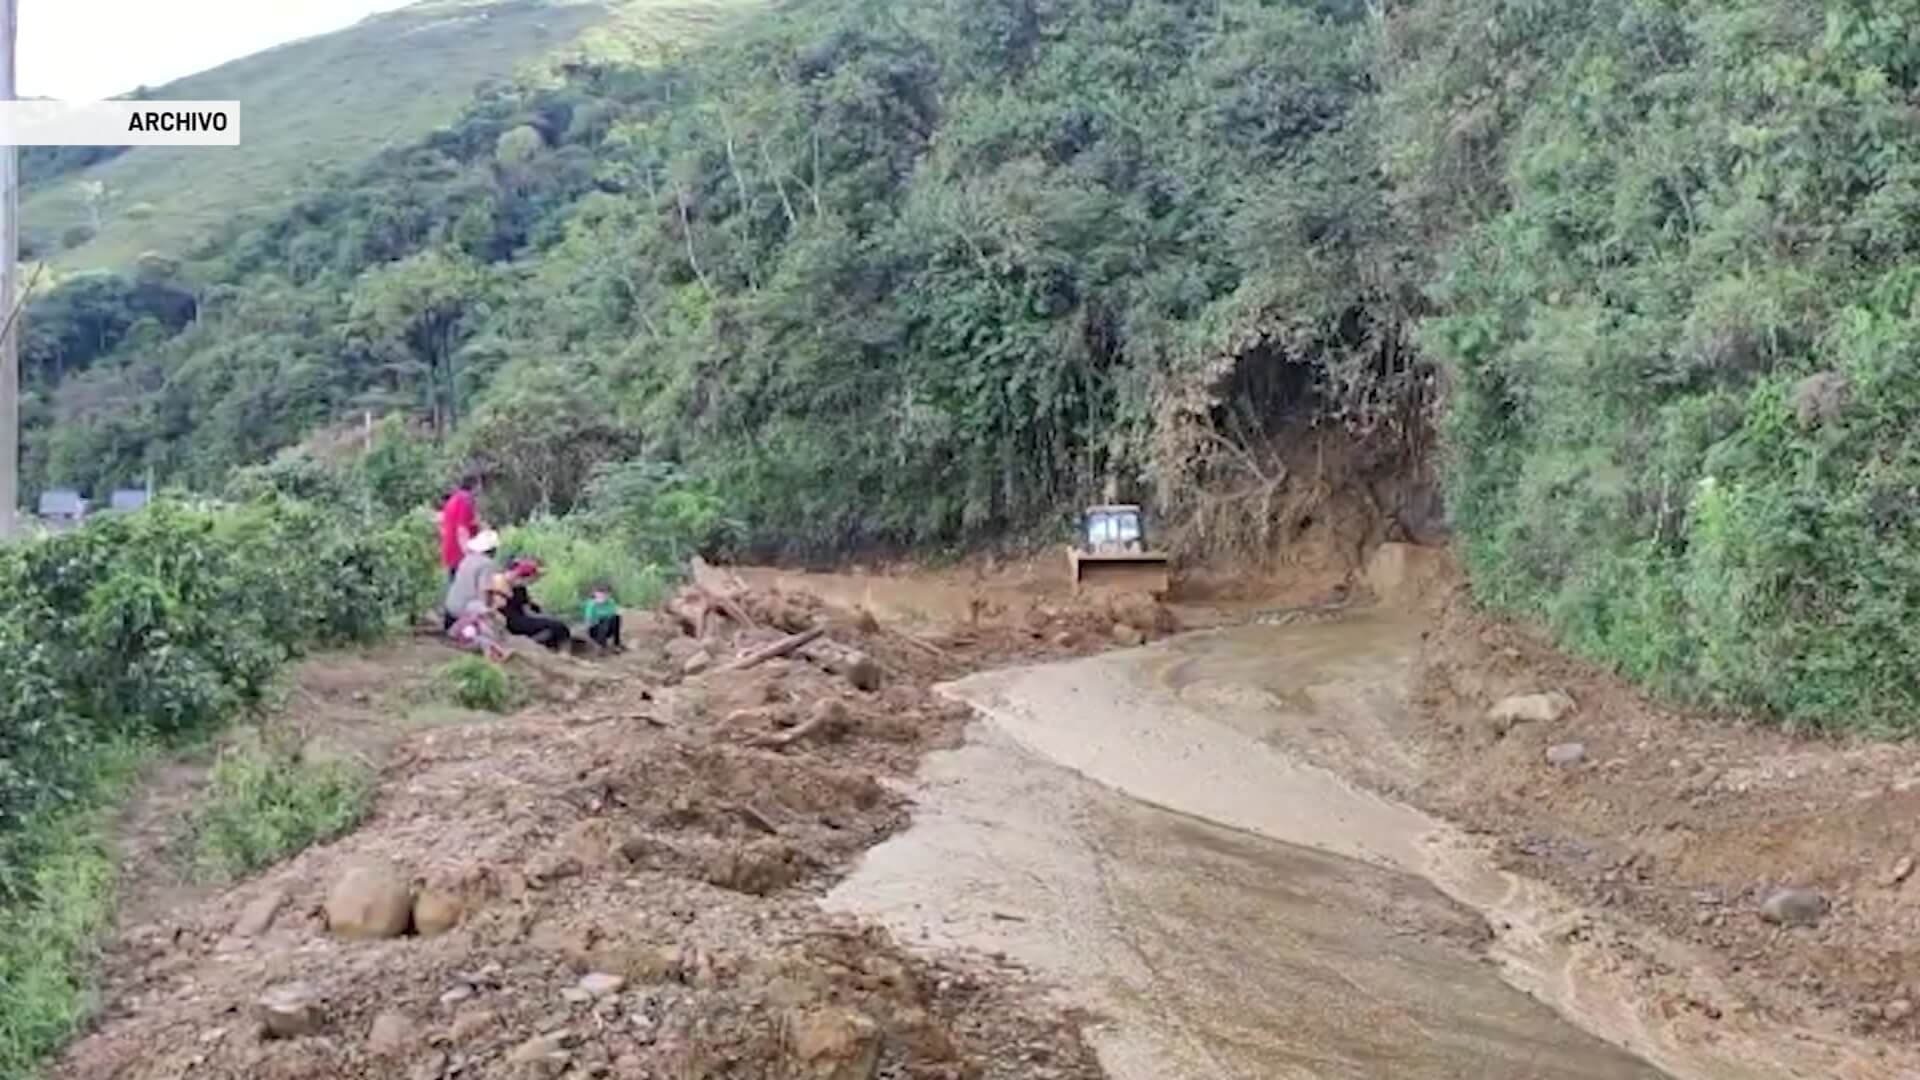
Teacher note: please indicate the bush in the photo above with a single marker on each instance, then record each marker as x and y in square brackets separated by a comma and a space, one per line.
[474, 683]
[136, 630]
[57, 899]
[268, 802]
[575, 561]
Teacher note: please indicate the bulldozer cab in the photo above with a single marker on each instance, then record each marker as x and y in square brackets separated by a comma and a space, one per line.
[1112, 529]
[1113, 554]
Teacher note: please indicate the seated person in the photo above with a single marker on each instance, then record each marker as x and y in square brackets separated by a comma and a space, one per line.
[524, 617]
[478, 630]
[473, 579]
[603, 620]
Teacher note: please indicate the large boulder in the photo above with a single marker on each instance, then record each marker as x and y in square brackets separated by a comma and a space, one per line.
[370, 900]
[436, 911]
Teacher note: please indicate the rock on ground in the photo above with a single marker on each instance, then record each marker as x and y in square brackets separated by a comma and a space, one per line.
[832, 1044]
[1530, 708]
[259, 914]
[391, 1033]
[1567, 755]
[1127, 635]
[371, 900]
[289, 1011]
[435, 911]
[1794, 907]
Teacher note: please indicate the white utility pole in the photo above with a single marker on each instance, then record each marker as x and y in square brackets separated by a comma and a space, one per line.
[9, 292]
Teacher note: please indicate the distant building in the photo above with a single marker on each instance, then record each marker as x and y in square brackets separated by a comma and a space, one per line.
[127, 499]
[62, 506]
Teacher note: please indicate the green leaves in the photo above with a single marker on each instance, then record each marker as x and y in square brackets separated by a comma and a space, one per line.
[1682, 402]
[161, 623]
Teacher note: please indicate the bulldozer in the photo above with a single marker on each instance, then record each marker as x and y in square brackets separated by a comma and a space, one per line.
[1113, 553]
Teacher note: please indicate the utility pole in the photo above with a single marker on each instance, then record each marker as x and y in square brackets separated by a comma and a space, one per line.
[9, 292]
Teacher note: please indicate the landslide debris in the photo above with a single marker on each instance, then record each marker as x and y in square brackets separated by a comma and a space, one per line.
[618, 880]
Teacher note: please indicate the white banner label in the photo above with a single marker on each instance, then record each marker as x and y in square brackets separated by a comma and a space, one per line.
[119, 123]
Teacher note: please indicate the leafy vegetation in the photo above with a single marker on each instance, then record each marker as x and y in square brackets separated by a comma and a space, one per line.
[126, 635]
[1677, 302]
[269, 800]
[475, 683]
[877, 274]
[59, 898]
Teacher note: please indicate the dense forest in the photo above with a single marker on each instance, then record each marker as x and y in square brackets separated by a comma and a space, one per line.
[934, 271]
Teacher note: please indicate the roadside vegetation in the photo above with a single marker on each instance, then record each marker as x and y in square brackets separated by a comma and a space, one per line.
[268, 800]
[127, 636]
[856, 274]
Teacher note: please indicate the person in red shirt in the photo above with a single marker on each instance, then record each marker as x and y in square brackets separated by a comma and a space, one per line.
[459, 523]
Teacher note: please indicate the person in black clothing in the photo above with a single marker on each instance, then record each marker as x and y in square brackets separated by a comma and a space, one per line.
[524, 617]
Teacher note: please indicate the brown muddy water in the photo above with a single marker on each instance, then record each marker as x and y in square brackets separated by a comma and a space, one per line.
[1128, 828]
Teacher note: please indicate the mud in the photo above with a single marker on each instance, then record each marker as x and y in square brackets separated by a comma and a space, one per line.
[1219, 725]
[1208, 952]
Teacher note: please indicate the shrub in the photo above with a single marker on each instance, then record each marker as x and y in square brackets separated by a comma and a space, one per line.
[575, 562]
[269, 801]
[139, 629]
[474, 683]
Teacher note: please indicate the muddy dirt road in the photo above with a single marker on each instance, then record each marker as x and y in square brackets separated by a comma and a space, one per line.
[1134, 826]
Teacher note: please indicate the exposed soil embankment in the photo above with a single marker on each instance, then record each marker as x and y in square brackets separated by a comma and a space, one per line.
[619, 881]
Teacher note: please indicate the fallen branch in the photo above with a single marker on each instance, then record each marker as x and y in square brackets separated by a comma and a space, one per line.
[777, 739]
[707, 580]
[776, 650]
[752, 816]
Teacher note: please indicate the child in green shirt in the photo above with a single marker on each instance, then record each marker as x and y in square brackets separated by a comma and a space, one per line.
[602, 617]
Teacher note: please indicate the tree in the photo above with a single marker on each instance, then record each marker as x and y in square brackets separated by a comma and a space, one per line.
[411, 317]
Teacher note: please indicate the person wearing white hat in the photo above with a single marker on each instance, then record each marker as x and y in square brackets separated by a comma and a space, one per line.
[473, 580]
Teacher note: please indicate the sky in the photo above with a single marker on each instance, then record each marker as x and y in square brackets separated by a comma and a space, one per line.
[84, 50]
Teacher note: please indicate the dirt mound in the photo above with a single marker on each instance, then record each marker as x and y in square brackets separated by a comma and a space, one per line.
[1785, 862]
[621, 884]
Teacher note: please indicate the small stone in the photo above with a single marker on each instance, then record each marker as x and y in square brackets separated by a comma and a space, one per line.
[697, 663]
[1898, 872]
[213, 1035]
[864, 674]
[599, 984]
[573, 995]
[435, 911]
[1530, 708]
[1896, 1011]
[258, 915]
[540, 1048]
[391, 1033]
[472, 1022]
[289, 1011]
[1794, 907]
[1127, 635]
[370, 900]
[1567, 755]
[1066, 639]
[456, 995]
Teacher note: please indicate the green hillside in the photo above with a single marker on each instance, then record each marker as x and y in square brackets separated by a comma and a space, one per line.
[1639, 275]
[327, 101]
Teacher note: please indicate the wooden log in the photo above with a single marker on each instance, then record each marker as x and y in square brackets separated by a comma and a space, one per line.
[778, 649]
[719, 592]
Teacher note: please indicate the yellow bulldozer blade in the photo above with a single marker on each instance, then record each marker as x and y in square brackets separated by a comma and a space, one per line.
[1143, 572]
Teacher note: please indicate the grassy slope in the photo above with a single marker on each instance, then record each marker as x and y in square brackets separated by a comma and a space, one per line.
[337, 99]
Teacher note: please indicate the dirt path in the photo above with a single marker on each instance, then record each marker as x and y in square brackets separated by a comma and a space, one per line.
[1211, 953]
[1228, 727]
